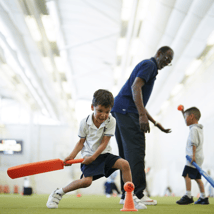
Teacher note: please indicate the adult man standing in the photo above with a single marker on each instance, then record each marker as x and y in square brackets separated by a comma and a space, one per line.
[133, 119]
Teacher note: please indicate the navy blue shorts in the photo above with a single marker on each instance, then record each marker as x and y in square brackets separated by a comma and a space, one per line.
[193, 173]
[102, 166]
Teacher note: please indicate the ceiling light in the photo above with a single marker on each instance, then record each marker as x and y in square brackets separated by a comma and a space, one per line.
[117, 72]
[121, 46]
[128, 72]
[47, 64]
[71, 103]
[63, 104]
[144, 9]
[57, 88]
[115, 90]
[210, 40]
[177, 89]
[193, 67]
[125, 14]
[66, 87]
[126, 10]
[59, 64]
[135, 46]
[165, 105]
[49, 27]
[33, 27]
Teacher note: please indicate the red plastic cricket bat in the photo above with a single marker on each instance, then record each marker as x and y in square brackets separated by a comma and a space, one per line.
[39, 167]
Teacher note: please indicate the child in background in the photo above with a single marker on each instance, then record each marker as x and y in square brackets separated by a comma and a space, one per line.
[110, 185]
[95, 132]
[210, 187]
[194, 148]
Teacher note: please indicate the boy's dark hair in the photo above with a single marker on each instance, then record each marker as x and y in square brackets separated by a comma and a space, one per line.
[103, 97]
[194, 111]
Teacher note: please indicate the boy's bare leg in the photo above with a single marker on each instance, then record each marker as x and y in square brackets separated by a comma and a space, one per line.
[81, 183]
[201, 185]
[202, 199]
[123, 165]
[188, 183]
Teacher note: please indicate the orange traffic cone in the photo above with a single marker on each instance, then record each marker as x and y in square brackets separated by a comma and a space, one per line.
[16, 189]
[129, 203]
[79, 195]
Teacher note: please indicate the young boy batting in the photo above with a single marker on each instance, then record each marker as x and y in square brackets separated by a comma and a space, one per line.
[95, 132]
[194, 148]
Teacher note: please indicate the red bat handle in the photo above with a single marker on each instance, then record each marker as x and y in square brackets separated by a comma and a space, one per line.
[74, 161]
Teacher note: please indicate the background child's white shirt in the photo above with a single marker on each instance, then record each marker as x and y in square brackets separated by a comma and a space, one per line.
[112, 177]
[94, 135]
[195, 138]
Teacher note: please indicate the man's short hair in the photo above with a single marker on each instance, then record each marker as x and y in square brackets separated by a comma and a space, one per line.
[194, 111]
[103, 97]
[164, 49]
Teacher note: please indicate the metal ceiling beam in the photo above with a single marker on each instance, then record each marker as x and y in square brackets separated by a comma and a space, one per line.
[129, 37]
[199, 11]
[54, 11]
[8, 19]
[32, 5]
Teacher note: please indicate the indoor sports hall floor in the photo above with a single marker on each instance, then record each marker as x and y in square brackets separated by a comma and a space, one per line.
[93, 204]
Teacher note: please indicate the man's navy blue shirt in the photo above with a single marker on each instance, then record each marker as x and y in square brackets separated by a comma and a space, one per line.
[146, 70]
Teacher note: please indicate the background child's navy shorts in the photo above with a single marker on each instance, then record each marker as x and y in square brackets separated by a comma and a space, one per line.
[193, 173]
[102, 166]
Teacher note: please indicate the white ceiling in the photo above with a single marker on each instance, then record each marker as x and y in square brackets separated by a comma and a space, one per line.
[79, 46]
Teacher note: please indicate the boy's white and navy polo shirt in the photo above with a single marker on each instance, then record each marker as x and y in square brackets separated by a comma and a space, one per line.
[93, 135]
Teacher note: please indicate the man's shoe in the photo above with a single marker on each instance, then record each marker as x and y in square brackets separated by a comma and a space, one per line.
[121, 201]
[185, 200]
[53, 200]
[138, 204]
[202, 201]
[148, 201]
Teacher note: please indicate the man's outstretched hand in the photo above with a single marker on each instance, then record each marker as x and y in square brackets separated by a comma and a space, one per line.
[163, 129]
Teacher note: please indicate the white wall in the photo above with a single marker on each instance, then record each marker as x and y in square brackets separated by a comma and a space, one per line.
[166, 152]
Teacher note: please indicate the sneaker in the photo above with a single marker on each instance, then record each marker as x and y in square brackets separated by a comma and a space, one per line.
[121, 201]
[108, 195]
[202, 201]
[53, 200]
[185, 200]
[148, 201]
[137, 203]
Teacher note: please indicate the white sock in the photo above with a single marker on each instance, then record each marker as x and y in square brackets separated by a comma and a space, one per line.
[60, 191]
[202, 195]
[188, 193]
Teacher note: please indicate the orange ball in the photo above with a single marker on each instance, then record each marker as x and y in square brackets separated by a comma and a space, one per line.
[180, 107]
[129, 186]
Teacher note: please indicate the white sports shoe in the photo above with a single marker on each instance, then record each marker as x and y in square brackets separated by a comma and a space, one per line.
[53, 200]
[138, 204]
[121, 201]
[148, 201]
